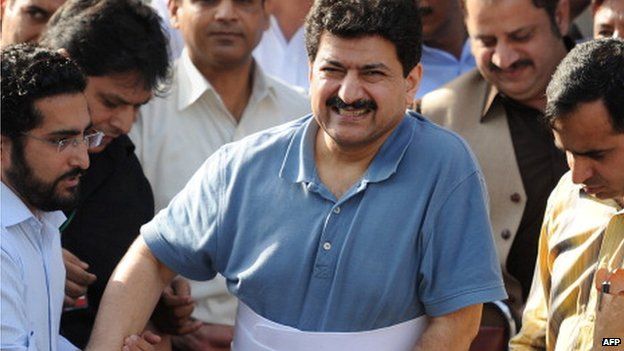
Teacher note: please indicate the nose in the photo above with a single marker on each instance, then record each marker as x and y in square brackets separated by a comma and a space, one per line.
[351, 88]
[123, 120]
[225, 11]
[79, 156]
[581, 169]
[504, 55]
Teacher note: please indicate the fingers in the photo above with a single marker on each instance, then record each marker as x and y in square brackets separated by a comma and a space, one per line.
[181, 286]
[68, 301]
[77, 270]
[151, 337]
[74, 290]
[136, 343]
[190, 326]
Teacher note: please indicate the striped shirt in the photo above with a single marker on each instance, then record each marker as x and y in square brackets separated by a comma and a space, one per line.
[580, 234]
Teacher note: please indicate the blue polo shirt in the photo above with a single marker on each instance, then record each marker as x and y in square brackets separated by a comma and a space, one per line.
[412, 237]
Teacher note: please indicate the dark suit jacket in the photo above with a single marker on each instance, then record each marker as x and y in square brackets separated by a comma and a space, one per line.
[115, 200]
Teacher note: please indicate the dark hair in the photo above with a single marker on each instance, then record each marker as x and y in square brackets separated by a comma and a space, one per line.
[30, 73]
[550, 6]
[108, 37]
[592, 71]
[395, 20]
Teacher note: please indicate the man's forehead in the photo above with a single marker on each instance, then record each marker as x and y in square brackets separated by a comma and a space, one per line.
[356, 51]
[50, 5]
[125, 88]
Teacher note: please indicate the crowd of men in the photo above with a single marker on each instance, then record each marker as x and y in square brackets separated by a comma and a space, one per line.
[311, 175]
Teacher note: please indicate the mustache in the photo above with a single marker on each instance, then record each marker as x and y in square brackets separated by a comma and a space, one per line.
[338, 103]
[71, 174]
[518, 64]
[425, 10]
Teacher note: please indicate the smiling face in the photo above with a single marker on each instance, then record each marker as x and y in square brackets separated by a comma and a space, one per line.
[358, 90]
[515, 47]
[220, 33]
[43, 177]
[114, 102]
[594, 149]
[24, 20]
[609, 19]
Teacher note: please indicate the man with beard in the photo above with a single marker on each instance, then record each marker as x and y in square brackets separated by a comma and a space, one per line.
[358, 227]
[121, 47]
[46, 130]
[499, 108]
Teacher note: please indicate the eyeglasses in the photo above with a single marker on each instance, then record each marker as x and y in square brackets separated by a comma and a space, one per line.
[92, 140]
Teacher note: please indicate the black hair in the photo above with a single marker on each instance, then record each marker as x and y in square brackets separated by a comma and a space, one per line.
[550, 6]
[591, 71]
[109, 37]
[397, 21]
[30, 73]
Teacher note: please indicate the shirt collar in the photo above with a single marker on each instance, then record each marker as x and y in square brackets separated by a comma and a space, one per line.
[299, 165]
[14, 210]
[432, 53]
[192, 84]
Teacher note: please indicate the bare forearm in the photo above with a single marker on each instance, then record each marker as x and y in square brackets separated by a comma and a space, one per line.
[452, 332]
[129, 298]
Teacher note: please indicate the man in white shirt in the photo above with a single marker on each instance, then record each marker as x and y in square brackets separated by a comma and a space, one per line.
[219, 95]
[446, 49]
[282, 52]
[46, 130]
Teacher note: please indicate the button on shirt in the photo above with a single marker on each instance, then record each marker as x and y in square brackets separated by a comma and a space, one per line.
[286, 60]
[33, 277]
[440, 67]
[412, 237]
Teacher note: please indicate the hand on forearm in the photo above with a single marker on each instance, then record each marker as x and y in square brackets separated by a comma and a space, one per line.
[453, 332]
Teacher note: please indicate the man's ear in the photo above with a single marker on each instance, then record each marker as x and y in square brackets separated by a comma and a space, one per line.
[412, 83]
[562, 16]
[5, 151]
[174, 6]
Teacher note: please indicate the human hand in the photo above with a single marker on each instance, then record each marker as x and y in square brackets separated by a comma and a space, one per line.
[77, 278]
[145, 342]
[172, 314]
[210, 337]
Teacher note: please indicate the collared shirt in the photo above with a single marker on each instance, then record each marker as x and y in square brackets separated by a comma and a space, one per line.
[410, 238]
[440, 67]
[286, 60]
[175, 134]
[541, 165]
[33, 277]
[561, 309]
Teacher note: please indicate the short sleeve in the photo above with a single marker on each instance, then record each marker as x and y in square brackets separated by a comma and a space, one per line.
[459, 266]
[183, 235]
[15, 332]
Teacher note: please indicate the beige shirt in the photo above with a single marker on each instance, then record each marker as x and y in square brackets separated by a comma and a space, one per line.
[176, 133]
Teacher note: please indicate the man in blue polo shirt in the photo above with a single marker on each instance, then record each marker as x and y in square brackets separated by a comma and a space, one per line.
[359, 227]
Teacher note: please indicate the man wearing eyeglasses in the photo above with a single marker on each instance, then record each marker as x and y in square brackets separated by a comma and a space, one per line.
[121, 47]
[46, 130]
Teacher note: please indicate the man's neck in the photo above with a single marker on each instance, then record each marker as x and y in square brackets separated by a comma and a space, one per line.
[227, 82]
[340, 167]
[31, 208]
[452, 41]
[289, 19]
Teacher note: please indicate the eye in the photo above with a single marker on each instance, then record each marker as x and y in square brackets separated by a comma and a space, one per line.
[605, 33]
[487, 42]
[521, 37]
[37, 14]
[109, 104]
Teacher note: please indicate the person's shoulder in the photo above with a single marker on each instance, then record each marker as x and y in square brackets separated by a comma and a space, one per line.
[463, 87]
[438, 143]
[267, 142]
[285, 92]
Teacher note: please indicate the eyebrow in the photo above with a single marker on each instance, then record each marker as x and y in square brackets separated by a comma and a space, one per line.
[70, 132]
[371, 66]
[118, 100]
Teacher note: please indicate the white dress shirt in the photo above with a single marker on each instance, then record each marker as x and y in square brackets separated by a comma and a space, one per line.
[33, 277]
[175, 134]
[286, 60]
